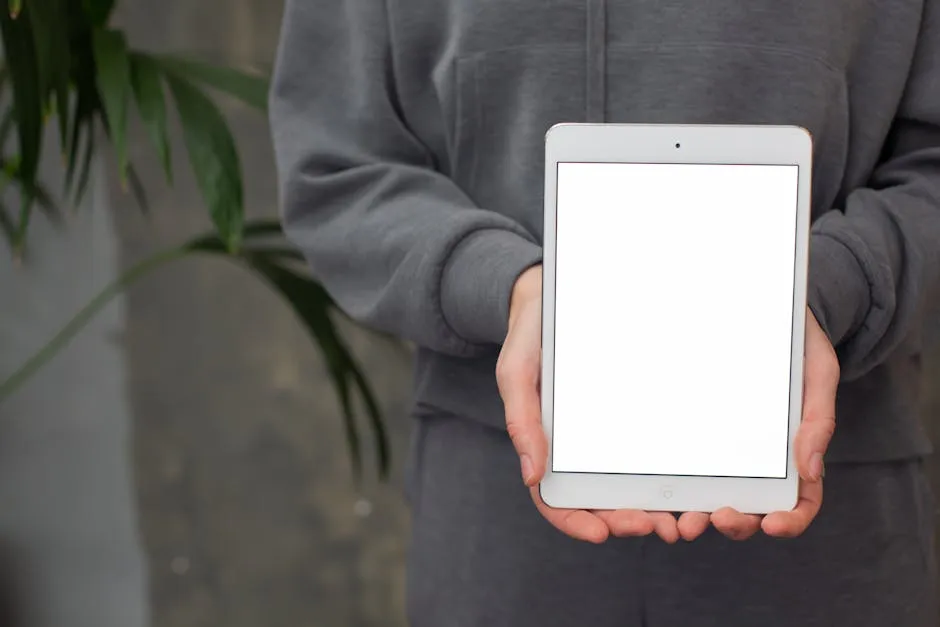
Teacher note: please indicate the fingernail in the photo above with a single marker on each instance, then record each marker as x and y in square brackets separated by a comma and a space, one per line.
[816, 468]
[528, 470]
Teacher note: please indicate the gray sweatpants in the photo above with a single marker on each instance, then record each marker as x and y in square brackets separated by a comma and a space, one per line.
[481, 555]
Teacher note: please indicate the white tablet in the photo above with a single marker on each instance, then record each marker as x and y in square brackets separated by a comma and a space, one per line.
[674, 308]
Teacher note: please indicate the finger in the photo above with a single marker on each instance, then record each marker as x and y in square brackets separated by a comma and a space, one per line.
[577, 523]
[820, 384]
[625, 523]
[734, 524]
[518, 378]
[666, 526]
[692, 524]
[794, 523]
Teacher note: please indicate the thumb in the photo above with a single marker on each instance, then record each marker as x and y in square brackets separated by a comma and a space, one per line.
[820, 385]
[518, 374]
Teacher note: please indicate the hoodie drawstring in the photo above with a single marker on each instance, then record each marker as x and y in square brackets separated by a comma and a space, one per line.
[596, 60]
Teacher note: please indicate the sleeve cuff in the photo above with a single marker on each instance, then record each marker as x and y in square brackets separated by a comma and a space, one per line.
[838, 293]
[477, 283]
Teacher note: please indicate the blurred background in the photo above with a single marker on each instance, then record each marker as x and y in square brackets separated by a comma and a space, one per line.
[199, 455]
[246, 504]
[248, 508]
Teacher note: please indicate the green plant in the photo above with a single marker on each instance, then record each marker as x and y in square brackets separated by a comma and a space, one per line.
[63, 60]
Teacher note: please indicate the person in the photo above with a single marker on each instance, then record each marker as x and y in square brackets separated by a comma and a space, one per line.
[409, 145]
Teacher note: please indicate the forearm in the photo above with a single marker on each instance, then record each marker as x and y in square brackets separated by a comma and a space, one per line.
[426, 266]
[875, 266]
[396, 243]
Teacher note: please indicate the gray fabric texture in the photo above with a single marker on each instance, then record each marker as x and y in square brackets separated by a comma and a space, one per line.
[409, 143]
[482, 555]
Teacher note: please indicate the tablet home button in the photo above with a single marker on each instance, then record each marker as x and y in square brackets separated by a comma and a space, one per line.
[667, 492]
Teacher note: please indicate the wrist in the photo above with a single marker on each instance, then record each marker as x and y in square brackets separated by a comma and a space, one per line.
[477, 280]
[526, 289]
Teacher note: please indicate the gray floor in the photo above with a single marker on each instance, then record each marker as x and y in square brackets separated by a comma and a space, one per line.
[247, 505]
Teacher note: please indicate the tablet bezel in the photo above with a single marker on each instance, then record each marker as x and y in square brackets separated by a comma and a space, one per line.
[680, 144]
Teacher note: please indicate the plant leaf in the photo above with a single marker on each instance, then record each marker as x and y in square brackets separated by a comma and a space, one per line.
[62, 115]
[260, 237]
[148, 92]
[137, 188]
[26, 210]
[86, 99]
[252, 89]
[87, 156]
[98, 11]
[6, 125]
[114, 80]
[63, 67]
[81, 319]
[83, 119]
[49, 22]
[71, 160]
[20, 56]
[37, 194]
[375, 418]
[7, 226]
[47, 205]
[213, 157]
[312, 305]
[262, 228]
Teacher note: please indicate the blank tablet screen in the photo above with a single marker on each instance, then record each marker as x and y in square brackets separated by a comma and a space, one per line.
[673, 318]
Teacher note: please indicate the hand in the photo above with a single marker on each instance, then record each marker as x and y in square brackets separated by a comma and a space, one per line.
[820, 382]
[518, 373]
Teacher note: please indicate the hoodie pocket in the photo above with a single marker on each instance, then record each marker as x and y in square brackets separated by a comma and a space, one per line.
[507, 100]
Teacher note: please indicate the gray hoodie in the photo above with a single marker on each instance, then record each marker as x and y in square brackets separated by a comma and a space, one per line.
[409, 142]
